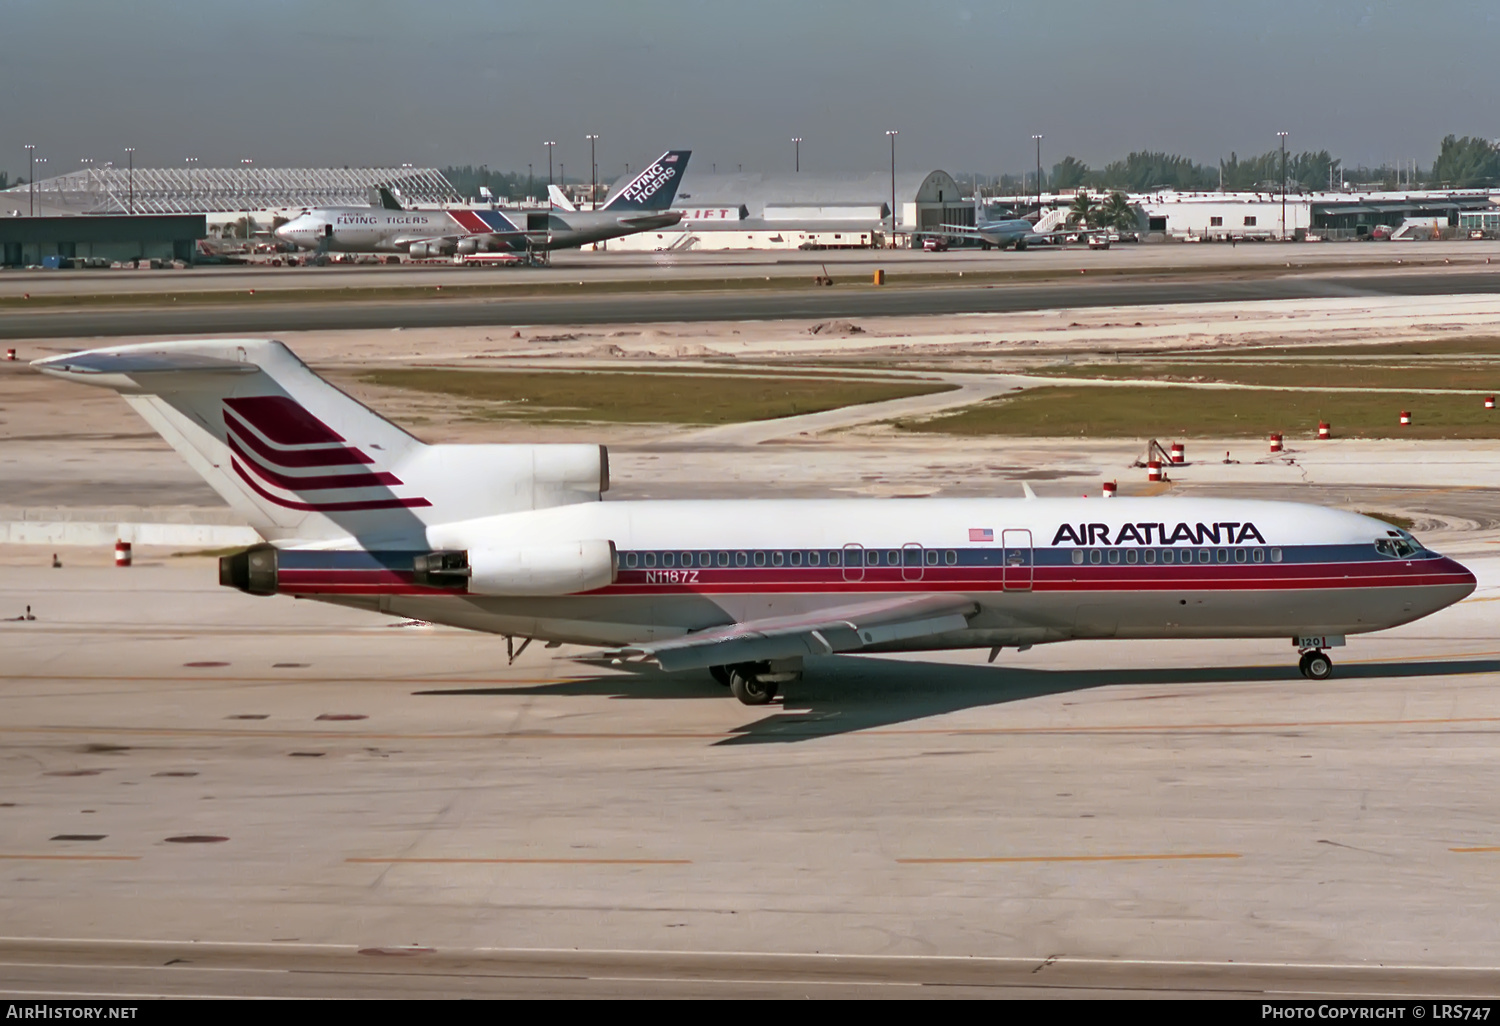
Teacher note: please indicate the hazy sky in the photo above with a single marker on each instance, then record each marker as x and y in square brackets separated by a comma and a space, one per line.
[365, 82]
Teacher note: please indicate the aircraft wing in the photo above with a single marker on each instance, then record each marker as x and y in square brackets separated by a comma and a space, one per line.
[820, 632]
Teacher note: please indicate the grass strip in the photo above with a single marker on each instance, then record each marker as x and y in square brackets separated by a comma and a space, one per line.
[626, 398]
[1167, 412]
[1292, 375]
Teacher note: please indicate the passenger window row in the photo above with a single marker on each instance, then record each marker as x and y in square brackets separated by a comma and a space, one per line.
[1150, 556]
[910, 557]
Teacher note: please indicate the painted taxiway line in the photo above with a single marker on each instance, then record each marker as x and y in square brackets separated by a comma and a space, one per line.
[70, 858]
[1471, 851]
[727, 735]
[518, 862]
[986, 860]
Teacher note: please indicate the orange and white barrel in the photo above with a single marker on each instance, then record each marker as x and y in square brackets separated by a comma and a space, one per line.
[1108, 490]
[122, 553]
[10, 354]
[1489, 400]
[1324, 431]
[1153, 470]
[1275, 443]
[1405, 417]
[1179, 452]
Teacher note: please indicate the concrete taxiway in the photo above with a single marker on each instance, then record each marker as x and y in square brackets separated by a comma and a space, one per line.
[201, 792]
[681, 307]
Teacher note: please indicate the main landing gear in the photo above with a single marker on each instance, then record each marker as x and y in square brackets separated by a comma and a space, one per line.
[757, 683]
[1315, 665]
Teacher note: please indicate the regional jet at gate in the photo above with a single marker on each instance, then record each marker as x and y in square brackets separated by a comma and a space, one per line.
[643, 205]
[517, 540]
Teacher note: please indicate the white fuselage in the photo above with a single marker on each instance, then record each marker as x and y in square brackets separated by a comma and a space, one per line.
[1039, 570]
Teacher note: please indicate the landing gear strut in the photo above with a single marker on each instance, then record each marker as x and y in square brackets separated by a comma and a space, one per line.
[1315, 665]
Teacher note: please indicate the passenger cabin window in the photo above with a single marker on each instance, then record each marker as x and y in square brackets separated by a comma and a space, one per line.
[812, 559]
[950, 557]
[650, 559]
[1258, 555]
[1078, 557]
[741, 559]
[668, 559]
[1167, 555]
[760, 559]
[1240, 556]
[796, 558]
[1276, 555]
[705, 559]
[776, 559]
[1131, 555]
[833, 557]
[1150, 555]
[631, 559]
[932, 557]
[1095, 556]
[1221, 556]
[722, 559]
[1114, 555]
[1203, 555]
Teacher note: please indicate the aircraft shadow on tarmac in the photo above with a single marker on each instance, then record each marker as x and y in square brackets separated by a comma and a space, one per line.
[839, 696]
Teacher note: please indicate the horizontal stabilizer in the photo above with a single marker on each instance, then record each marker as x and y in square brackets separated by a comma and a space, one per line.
[130, 363]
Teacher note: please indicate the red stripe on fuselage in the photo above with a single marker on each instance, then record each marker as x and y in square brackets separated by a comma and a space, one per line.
[470, 222]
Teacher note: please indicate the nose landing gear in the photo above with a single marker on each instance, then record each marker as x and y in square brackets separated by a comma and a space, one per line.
[1315, 665]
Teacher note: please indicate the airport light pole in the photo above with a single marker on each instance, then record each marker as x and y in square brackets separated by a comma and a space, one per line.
[797, 154]
[130, 156]
[1282, 136]
[1038, 140]
[549, 144]
[31, 177]
[891, 134]
[593, 174]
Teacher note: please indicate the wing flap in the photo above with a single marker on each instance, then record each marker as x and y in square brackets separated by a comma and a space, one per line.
[820, 632]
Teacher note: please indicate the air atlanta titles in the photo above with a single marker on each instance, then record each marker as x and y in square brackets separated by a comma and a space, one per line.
[1225, 533]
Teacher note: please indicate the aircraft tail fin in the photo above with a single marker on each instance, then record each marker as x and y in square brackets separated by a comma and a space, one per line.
[654, 188]
[303, 462]
[381, 197]
[559, 198]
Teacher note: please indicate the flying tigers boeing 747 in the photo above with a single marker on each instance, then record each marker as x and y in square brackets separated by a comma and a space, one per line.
[517, 540]
[643, 204]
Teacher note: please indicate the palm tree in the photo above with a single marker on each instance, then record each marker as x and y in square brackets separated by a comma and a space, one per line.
[1118, 213]
[1084, 210]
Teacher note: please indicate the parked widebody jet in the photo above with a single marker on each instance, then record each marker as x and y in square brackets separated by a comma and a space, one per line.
[517, 540]
[643, 205]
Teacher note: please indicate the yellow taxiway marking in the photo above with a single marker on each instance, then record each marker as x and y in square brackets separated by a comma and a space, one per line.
[521, 862]
[71, 858]
[999, 859]
[1469, 851]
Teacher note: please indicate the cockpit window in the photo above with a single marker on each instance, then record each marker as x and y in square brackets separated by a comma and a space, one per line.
[1397, 546]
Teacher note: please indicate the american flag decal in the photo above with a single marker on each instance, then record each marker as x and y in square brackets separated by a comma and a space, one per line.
[671, 158]
[981, 534]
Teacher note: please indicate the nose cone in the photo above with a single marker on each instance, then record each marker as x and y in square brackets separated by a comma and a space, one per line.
[298, 232]
[1462, 577]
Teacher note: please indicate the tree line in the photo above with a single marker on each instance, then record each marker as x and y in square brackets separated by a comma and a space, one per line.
[1468, 162]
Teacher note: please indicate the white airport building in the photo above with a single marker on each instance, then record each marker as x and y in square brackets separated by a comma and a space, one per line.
[803, 211]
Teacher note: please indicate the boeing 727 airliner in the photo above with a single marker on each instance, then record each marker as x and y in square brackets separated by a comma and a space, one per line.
[517, 540]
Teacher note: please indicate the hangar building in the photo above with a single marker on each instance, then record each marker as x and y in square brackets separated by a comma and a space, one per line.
[791, 211]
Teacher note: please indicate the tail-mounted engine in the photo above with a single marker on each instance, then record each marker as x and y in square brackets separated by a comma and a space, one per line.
[253, 570]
